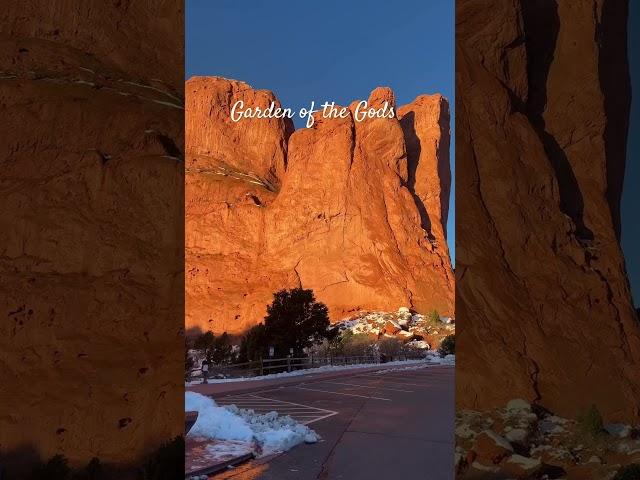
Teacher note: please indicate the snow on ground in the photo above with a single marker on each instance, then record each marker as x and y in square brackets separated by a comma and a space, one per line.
[431, 358]
[268, 433]
[202, 453]
[229, 448]
[448, 360]
[419, 344]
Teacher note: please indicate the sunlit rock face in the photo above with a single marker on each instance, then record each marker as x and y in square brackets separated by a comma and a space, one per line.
[543, 305]
[355, 210]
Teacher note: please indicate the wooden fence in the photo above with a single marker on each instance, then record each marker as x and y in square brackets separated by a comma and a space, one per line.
[266, 366]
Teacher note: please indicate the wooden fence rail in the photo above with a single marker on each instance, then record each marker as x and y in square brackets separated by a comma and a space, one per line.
[266, 366]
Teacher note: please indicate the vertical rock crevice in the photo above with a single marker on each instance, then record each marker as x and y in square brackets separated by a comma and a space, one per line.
[541, 25]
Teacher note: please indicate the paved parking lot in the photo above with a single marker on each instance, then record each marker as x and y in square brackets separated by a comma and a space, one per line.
[393, 424]
[304, 414]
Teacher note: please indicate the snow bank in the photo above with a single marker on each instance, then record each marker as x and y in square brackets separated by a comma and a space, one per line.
[448, 360]
[215, 422]
[432, 359]
[270, 432]
[275, 432]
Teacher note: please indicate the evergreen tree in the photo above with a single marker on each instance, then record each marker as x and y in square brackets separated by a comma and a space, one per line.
[295, 320]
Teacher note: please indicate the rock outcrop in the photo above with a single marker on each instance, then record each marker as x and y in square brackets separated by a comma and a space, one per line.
[355, 211]
[543, 306]
[520, 441]
[417, 331]
[91, 217]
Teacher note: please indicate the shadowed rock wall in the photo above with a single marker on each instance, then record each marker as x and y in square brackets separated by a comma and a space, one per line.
[543, 302]
[91, 228]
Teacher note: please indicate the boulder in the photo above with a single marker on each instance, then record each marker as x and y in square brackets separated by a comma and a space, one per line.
[520, 467]
[391, 327]
[490, 448]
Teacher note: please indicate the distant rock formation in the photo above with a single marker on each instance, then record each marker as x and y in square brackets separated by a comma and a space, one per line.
[355, 211]
[544, 310]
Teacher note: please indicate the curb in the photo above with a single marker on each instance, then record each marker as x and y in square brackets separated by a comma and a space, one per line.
[283, 382]
[219, 467]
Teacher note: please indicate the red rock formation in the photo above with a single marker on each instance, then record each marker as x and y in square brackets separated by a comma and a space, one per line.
[91, 213]
[543, 305]
[349, 209]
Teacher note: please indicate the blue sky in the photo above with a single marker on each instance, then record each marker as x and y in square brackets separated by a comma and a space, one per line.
[631, 192]
[305, 51]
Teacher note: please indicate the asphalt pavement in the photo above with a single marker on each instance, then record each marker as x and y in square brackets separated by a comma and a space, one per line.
[395, 424]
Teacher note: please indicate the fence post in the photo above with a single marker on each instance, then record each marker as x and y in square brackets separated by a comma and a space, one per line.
[288, 363]
[261, 366]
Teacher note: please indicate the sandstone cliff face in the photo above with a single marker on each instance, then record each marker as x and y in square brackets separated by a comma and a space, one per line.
[543, 303]
[354, 210]
[90, 229]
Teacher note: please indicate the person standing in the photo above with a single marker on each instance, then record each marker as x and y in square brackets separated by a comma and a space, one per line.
[205, 370]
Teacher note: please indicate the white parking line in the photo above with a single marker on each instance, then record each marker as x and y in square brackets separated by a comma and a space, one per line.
[245, 399]
[304, 414]
[269, 405]
[321, 418]
[368, 386]
[340, 393]
[292, 403]
[246, 402]
[396, 375]
[400, 383]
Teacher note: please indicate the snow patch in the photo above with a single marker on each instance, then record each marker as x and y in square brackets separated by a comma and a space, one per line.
[525, 463]
[518, 405]
[619, 430]
[516, 435]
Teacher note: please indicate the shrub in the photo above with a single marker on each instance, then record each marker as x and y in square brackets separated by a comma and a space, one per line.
[222, 351]
[630, 472]
[205, 343]
[333, 342]
[433, 316]
[166, 463]
[188, 363]
[57, 468]
[93, 471]
[390, 346]
[346, 343]
[253, 345]
[412, 351]
[357, 345]
[590, 423]
[448, 346]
